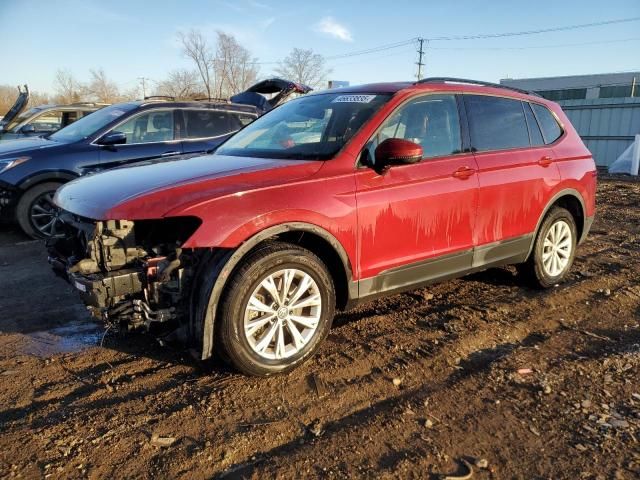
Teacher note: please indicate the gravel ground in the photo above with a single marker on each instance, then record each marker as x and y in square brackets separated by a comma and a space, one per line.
[518, 383]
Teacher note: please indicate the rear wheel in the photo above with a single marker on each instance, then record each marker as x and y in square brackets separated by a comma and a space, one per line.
[554, 250]
[36, 212]
[277, 309]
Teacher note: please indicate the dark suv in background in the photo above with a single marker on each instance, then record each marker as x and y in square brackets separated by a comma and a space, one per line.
[31, 170]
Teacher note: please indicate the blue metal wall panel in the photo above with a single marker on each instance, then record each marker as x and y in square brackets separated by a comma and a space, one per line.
[607, 125]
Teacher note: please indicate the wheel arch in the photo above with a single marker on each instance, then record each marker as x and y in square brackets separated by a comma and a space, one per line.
[59, 176]
[221, 263]
[571, 200]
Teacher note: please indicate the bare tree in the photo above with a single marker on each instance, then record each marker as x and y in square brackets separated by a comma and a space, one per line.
[235, 69]
[196, 47]
[181, 83]
[304, 66]
[67, 88]
[101, 89]
[8, 95]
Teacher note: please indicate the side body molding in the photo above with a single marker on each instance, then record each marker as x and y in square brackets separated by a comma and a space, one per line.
[223, 262]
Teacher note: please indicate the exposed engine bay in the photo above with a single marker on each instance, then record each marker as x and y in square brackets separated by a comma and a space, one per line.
[129, 274]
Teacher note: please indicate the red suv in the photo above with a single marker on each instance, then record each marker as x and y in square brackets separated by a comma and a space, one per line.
[329, 200]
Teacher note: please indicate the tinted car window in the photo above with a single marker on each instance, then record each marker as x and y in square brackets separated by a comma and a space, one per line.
[153, 126]
[206, 123]
[496, 123]
[550, 128]
[48, 121]
[430, 121]
[534, 129]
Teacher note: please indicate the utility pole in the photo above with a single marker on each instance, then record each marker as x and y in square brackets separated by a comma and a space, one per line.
[144, 85]
[420, 55]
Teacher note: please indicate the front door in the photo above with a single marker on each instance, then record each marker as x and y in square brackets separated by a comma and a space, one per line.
[416, 221]
[150, 135]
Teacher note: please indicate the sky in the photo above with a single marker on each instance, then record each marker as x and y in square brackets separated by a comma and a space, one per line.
[131, 39]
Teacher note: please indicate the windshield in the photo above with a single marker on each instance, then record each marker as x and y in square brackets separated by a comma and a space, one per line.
[21, 118]
[90, 124]
[313, 127]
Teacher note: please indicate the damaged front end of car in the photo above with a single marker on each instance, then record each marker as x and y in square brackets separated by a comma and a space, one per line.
[130, 274]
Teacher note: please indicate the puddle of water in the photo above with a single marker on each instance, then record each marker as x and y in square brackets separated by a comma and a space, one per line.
[72, 337]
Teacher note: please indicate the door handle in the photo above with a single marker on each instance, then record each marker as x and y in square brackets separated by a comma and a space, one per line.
[545, 161]
[168, 154]
[463, 173]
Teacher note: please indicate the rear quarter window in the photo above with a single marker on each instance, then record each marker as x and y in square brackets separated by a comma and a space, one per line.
[496, 123]
[548, 123]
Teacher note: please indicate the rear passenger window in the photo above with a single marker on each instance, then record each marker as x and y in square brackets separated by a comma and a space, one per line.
[496, 123]
[534, 129]
[209, 123]
[550, 128]
[430, 121]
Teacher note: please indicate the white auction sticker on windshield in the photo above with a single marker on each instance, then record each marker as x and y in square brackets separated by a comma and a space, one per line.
[353, 99]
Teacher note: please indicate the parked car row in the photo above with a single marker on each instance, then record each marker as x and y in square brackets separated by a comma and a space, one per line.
[32, 169]
[329, 200]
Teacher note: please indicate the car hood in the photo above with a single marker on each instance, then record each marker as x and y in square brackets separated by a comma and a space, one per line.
[160, 189]
[24, 145]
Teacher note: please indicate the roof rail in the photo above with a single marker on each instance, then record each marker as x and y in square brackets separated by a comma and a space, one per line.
[168, 98]
[88, 104]
[212, 99]
[474, 82]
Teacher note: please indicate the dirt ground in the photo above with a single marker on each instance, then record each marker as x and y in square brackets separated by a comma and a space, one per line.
[541, 385]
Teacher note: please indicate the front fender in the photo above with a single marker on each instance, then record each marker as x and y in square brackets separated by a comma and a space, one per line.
[222, 262]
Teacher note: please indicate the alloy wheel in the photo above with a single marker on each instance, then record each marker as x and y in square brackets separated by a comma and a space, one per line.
[556, 249]
[282, 314]
[44, 215]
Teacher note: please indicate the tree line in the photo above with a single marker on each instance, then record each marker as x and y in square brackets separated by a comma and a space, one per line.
[220, 68]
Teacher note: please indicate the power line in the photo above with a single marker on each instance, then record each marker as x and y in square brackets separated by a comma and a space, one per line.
[602, 42]
[534, 32]
[410, 41]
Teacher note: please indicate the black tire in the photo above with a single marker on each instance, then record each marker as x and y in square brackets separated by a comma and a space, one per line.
[270, 258]
[533, 270]
[25, 206]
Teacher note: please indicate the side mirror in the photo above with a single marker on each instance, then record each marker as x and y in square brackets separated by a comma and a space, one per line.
[28, 129]
[396, 151]
[113, 138]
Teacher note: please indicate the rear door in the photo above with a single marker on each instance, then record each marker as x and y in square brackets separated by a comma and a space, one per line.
[204, 129]
[416, 221]
[150, 134]
[516, 174]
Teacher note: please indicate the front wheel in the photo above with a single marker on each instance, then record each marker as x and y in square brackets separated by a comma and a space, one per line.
[277, 309]
[36, 213]
[554, 250]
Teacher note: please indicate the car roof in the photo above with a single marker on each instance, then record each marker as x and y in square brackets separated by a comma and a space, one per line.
[439, 84]
[194, 104]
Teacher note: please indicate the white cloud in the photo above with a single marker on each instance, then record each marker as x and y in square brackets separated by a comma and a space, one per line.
[329, 26]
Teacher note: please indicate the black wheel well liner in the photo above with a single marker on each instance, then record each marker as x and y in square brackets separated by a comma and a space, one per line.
[217, 268]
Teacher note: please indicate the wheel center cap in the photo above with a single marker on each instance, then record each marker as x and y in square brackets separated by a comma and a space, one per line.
[283, 312]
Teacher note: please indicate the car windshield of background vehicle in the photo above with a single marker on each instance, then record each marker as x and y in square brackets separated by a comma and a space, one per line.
[313, 127]
[87, 126]
[19, 119]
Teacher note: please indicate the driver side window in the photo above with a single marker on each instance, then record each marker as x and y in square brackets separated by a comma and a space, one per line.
[153, 126]
[431, 121]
